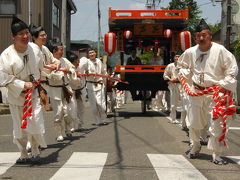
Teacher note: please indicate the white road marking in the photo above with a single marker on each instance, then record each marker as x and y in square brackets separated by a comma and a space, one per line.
[234, 128]
[236, 159]
[82, 165]
[7, 159]
[168, 166]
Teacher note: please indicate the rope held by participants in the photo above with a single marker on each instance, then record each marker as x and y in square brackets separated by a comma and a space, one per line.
[89, 74]
[27, 106]
[223, 107]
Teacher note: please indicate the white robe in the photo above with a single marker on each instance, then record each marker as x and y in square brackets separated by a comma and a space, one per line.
[217, 67]
[172, 73]
[96, 91]
[14, 72]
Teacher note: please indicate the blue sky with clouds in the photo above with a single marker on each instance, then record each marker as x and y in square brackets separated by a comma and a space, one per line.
[84, 22]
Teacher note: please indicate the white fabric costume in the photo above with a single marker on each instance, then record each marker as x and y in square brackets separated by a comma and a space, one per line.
[172, 73]
[157, 102]
[15, 70]
[96, 90]
[217, 66]
[64, 114]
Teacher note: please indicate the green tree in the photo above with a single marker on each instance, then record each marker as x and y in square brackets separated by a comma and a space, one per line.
[236, 48]
[215, 27]
[194, 12]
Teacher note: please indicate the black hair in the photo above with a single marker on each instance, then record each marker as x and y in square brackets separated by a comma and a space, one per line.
[71, 56]
[53, 45]
[17, 25]
[35, 30]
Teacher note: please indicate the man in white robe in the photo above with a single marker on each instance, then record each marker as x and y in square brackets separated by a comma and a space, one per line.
[18, 68]
[171, 74]
[61, 93]
[96, 88]
[207, 64]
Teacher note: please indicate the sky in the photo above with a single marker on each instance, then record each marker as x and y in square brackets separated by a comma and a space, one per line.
[84, 22]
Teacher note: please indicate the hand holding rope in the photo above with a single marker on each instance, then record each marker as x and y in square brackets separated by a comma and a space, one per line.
[223, 107]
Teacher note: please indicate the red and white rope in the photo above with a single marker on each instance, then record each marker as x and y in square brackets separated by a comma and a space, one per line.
[223, 105]
[90, 74]
[27, 106]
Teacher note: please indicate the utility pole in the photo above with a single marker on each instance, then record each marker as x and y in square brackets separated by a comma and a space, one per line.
[228, 32]
[29, 12]
[151, 4]
[64, 25]
[99, 31]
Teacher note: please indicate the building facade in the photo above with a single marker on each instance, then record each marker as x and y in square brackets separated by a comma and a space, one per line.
[53, 15]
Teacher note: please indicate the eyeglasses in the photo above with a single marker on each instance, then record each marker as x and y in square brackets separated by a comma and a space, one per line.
[43, 35]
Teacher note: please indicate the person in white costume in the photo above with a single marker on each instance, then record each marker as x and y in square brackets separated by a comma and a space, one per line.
[39, 38]
[157, 102]
[96, 88]
[207, 64]
[61, 93]
[111, 96]
[82, 68]
[171, 74]
[78, 96]
[19, 66]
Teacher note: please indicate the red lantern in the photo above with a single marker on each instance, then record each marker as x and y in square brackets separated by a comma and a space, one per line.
[167, 33]
[127, 34]
[110, 43]
[185, 40]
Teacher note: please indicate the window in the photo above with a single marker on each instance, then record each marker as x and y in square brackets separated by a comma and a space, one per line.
[8, 7]
[55, 15]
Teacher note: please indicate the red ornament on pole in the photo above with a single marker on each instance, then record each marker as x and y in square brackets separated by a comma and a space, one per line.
[167, 33]
[127, 34]
[110, 43]
[185, 40]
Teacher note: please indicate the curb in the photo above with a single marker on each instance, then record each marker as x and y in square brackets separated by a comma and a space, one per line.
[4, 109]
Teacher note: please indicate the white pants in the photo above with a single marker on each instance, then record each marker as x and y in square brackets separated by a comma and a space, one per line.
[33, 132]
[174, 99]
[63, 115]
[110, 101]
[98, 104]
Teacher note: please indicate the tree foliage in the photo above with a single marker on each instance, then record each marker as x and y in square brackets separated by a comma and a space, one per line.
[194, 11]
[214, 27]
[236, 48]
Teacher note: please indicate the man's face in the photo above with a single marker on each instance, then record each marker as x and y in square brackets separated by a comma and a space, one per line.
[92, 55]
[203, 37]
[22, 37]
[76, 63]
[58, 53]
[41, 39]
[176, 57]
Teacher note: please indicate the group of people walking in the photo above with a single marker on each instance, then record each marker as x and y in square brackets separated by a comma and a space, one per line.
[42, 69]
[34, 73]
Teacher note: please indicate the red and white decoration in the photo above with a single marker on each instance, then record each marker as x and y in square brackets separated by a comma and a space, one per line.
[167, 33]
[127, 34]
[185, 40]
[110, 43]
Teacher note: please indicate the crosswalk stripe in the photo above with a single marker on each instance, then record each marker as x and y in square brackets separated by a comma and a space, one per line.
[8, 159]
[236, 159]
[168, 166]
[82, 165]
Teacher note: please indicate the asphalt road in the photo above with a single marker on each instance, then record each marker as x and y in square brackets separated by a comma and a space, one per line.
[134, 146]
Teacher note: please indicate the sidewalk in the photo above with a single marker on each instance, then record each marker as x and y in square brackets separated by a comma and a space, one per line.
[4, 109]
